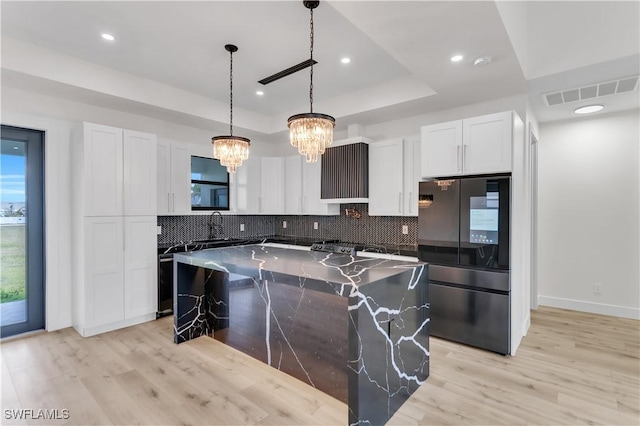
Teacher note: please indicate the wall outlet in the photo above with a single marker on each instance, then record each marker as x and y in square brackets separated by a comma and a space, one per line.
[405, 229]
[315, 225]
[242, 227]
[597, 288]
[159, 230]
[284, 223]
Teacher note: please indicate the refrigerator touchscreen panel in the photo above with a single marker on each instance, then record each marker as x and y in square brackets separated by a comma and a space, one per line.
[484, 222]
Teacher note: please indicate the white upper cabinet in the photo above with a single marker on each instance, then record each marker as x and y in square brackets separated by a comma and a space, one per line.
[272, 185]
[293, 184]
[412, 175]
[102, 170]
[247, 187]
[441, 149]
[174, 179]
[386, 177]
[302, 188]
[311, 191]
[487, 143]
[140, 174]
[477, 145]
[118, 177]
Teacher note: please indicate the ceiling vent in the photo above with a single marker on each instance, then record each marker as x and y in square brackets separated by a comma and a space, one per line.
[592, 91]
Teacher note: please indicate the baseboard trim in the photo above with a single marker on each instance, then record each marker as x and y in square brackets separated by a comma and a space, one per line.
[92, 331]
[591, 307]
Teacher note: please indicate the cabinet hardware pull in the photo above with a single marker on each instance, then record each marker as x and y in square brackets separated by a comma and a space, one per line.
[464, 157]
[399, 202]
[458, 157]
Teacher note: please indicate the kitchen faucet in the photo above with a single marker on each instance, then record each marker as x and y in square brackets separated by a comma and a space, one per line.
[215, 225]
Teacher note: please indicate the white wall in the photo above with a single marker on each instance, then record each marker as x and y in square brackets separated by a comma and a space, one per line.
[589, 194]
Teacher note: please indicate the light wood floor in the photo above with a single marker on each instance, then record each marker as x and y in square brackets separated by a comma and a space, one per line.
[572, 368]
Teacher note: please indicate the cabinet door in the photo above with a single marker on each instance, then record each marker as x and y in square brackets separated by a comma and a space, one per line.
[293, 184]
[247, 186]
[311, 192]
[412, 165]
[102, 170]
[180, 180]
[442, 149]
[140, 266]
[140, 174]
[487, 143]
[272, 185]
[163, 168]
[386, 178]
[104, 270]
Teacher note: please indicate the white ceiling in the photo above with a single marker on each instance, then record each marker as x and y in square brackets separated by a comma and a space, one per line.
[169, 60]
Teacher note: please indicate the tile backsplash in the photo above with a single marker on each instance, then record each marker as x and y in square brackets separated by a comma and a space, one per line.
[366, 230]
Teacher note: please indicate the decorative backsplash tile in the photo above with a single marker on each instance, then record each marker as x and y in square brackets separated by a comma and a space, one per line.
[366, 230]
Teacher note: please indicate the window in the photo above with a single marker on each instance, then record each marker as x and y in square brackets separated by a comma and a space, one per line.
[209, 184]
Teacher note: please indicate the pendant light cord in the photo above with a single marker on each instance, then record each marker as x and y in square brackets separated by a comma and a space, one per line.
[311, 85]
[231, 94]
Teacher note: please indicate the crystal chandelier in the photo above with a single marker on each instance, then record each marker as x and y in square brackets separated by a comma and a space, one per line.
[230, 150]
[311, 132]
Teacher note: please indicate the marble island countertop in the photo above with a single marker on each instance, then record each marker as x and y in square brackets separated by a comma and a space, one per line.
[312, 269]
[354, 327]
[404, 249]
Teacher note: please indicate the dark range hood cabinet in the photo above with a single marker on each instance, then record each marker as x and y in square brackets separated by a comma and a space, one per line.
[345, 172]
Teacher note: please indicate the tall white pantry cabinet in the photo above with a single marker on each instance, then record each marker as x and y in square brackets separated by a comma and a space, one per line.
[114, 228]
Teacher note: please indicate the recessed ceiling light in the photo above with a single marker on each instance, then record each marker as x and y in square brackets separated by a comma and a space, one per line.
[15, 147]
[589, 109]
[108, 36]
[259, 93]
[345, 60]
[482, 61]
[456, 58]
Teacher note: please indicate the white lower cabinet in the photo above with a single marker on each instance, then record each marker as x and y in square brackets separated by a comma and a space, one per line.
[117, 278]
[103, 279]
[140, 266]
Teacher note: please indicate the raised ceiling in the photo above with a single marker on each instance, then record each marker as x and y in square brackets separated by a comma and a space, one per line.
[168, 58]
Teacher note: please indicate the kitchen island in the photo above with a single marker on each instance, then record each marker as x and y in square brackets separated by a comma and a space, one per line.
[355, 328]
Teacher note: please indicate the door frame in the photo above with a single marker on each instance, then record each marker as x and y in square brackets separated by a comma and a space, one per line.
[35, 230]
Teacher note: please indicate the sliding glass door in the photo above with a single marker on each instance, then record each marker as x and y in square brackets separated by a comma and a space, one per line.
[21, 231]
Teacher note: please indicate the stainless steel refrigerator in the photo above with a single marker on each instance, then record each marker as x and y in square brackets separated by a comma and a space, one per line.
[463, 232]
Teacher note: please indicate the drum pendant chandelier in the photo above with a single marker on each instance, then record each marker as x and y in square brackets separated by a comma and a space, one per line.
[230, 150]
[311, 132]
